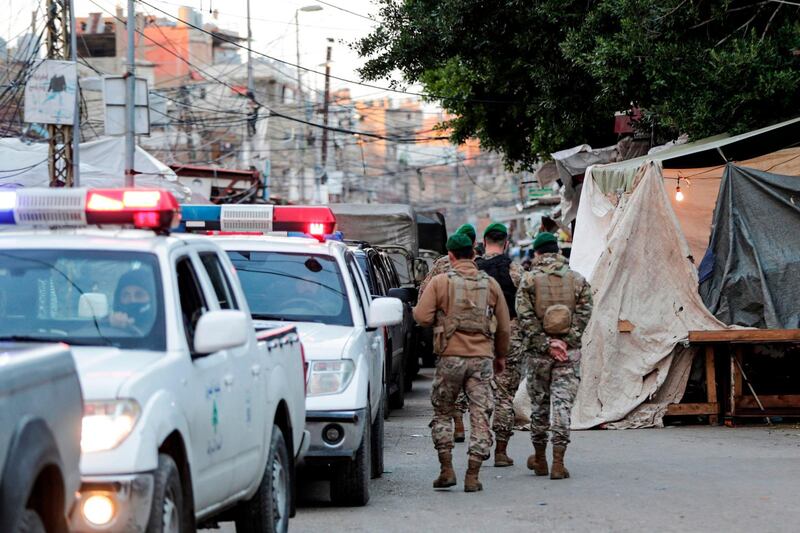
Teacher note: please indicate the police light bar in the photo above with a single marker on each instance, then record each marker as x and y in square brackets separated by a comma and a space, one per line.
[141, 208]
[317, 221]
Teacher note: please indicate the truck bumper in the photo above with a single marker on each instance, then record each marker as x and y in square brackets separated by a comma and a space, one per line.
[304, 445]
[335, 435]
[130, 498]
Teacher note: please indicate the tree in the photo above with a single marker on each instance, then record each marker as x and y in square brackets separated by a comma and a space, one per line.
[531, 77]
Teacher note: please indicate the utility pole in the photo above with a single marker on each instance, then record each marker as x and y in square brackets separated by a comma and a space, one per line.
[130, 98]
[60, 136]
[76, 124]
[301, 137]
[251, 95]
[325, 115]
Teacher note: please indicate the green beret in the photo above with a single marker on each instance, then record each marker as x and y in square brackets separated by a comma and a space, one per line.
[542, 239]
[458, 241]
[468, 230]
[496, 226]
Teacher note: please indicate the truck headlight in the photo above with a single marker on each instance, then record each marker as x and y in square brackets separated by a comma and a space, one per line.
[329, 377]
[107, 423]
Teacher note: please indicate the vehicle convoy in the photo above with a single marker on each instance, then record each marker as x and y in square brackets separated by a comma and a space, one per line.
[188, 417]
[40, 413]
[382, 280]
[315, 284]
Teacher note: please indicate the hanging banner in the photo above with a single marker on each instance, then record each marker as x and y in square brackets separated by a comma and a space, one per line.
[50, 93]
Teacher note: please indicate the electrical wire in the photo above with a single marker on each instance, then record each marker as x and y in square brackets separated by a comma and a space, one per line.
[345, 80]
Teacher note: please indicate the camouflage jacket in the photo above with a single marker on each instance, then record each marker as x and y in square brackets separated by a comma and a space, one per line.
[440, 266]
[534, 338]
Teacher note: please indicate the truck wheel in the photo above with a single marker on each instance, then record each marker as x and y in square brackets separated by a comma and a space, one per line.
[29, 522]
[167, 514]
[398, 399]
[377, 444]
[350, 481]
[269, 508]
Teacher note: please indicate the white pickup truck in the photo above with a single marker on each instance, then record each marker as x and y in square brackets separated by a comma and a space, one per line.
[189, 417]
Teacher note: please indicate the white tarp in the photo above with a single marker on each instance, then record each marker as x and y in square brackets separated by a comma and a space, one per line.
[591, 227]
[642, 276]
[102, 165]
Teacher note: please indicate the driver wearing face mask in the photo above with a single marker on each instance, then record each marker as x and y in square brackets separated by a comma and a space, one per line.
[134, 305]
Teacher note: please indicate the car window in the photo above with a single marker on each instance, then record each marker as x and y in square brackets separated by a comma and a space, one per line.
[293, 287]
[83, 297]
[221, 283]
[363, 264]
[193, 304]
[355, 278]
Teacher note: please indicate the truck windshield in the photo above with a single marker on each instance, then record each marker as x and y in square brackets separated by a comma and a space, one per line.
[82, 297]
[293, 287]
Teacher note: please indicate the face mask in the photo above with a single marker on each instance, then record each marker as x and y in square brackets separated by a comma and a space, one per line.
[141, 313]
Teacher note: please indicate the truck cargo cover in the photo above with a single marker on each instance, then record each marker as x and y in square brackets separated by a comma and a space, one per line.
[378, 224]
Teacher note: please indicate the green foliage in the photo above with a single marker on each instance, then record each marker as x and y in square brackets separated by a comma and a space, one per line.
[531, 77]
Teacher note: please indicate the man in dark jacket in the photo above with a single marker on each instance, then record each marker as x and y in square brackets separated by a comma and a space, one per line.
[508, 274]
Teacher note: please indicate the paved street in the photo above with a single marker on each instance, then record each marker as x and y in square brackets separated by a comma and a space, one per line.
[674, 479]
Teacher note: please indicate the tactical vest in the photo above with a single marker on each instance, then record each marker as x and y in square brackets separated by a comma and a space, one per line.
[499, 267]
[554, 298]
[469, 310]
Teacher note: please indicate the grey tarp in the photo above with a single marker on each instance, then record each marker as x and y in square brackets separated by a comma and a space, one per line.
[751, 273]
[378, 224]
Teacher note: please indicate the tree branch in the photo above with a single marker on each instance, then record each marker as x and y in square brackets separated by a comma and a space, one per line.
[769, 23]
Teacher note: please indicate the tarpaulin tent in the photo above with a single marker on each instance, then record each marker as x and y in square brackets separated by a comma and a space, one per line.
[639, 247]
[750, 275]
[644, 277]
[102, 165]
[378, 224]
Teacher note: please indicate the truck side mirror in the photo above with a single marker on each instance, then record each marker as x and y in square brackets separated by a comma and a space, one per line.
[221, 330]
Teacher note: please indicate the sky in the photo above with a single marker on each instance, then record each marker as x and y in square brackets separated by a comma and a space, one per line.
[273, 30]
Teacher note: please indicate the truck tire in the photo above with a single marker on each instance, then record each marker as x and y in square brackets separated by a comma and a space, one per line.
[29, 522]
[168, 512]
[269, 509]
[398, 399]
[350, 481]
[377, 444]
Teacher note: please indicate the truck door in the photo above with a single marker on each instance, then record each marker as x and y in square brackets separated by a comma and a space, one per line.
[374, 337]
[208, 399]
[249, 371]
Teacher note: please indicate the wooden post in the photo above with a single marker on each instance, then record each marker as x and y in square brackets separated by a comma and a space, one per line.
[711, 382]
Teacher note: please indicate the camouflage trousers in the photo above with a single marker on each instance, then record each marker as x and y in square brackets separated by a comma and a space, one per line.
[474, 376]
[550, 381]
[506, 385]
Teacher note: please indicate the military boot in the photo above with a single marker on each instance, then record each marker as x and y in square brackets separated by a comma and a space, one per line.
[538, 461]
[447, 476]
[559, 472]
[471, 483]
[501, 458]
[458, 428]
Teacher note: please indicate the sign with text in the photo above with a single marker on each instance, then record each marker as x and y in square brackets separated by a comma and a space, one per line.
[50, 93]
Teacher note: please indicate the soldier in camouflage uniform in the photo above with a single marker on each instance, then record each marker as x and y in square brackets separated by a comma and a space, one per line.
[554, 305]
[497, 264]
[471, 334]
[442, 266]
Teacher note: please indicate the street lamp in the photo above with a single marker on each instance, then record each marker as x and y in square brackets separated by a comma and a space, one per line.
[302, 151]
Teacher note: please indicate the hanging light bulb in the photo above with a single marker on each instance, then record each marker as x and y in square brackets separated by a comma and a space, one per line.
[678, 192]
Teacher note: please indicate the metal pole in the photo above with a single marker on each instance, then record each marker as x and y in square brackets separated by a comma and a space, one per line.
[325, 117]
[249, 53]
[301, 167]
[130, 98]
[76, 124]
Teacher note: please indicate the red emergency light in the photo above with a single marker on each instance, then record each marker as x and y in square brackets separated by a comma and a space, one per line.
[316, 220]
[142, 208]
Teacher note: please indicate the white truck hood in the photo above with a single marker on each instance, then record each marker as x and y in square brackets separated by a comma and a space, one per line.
[103, 369]
[320, 341]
